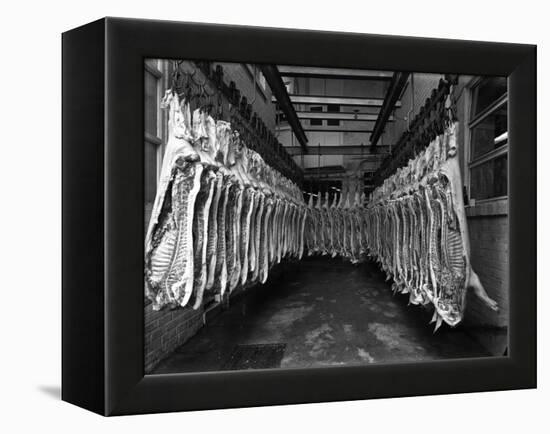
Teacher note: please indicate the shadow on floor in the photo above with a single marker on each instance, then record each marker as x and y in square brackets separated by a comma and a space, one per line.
[51, 391]
[321, 312]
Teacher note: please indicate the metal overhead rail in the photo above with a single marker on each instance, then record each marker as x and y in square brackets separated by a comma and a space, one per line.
[278, 88]
[339, 129]
[336, 73]
[380, 154]
[337, 100]
[334, 176]
[381, 151]
[340, 116]
[334, 128]
[324, 170]
[397, 84]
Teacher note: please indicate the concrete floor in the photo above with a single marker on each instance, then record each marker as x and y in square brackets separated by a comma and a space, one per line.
[324, 312]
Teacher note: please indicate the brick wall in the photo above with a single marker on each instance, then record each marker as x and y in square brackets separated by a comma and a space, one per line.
[489, 256]
[167, 329]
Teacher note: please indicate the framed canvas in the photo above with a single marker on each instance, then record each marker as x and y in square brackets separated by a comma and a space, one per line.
[130, 346]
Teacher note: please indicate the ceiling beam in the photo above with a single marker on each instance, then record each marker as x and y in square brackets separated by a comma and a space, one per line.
[338, 129]
[333, 177]
[333, 128]
[374, 158]
[315, 176]
[273, 78]
[381, 151]
[340, 116]
[338, 100]
[336, 73]
[397, 84]
[324, 170]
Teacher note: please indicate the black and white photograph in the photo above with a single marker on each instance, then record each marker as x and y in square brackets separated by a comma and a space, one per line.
[275, 217]
[301, 217]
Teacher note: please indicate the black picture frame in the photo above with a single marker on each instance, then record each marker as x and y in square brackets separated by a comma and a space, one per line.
[102, 295]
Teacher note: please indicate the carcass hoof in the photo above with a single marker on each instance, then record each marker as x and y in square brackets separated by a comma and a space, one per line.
[491, 304]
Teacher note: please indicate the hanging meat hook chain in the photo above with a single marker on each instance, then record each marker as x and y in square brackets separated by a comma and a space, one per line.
[438, 112]
[176, 75]
[285, 164]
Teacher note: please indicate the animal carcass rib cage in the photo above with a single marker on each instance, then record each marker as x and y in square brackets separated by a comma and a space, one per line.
[222, 218]
[417, 230]
[414, 226]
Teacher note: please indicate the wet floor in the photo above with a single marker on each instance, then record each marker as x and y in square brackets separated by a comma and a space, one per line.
[319, 312]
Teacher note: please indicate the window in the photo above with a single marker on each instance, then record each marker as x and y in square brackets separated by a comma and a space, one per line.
[333, 108]
[153, 132]
[488, 139]
[313, 122]
[486, 92]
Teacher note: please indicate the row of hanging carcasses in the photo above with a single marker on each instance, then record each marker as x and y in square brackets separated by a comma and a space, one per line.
[337, 227]
[414, 226]
[416, 229]
[221, 217]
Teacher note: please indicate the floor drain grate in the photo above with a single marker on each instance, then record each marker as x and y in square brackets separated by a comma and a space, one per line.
[259, 356]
